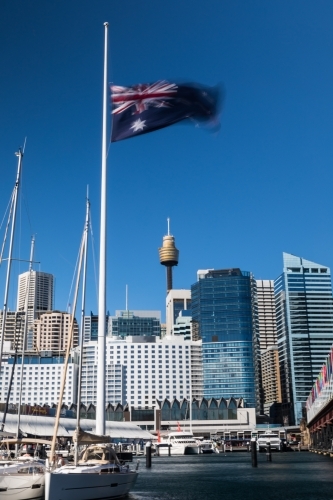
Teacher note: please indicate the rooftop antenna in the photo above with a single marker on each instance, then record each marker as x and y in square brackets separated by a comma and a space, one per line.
[126, 297]
[168, 220]
[32, 251]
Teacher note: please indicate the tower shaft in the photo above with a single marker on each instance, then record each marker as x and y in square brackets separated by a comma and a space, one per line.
[169, 278]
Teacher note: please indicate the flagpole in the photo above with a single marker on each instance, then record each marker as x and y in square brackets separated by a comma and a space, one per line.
[100, 407]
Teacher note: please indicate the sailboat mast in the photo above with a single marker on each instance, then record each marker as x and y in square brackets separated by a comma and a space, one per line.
[24, 341]
[100, 407]
[83, 307]
[191, 390]
[65, 367]
[19, 154]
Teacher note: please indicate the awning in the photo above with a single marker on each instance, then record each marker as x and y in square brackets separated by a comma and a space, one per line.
[26, 441]
[7, 434]
[83, 437]
[43, 426]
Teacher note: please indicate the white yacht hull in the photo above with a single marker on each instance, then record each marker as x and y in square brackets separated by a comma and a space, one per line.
[85, 486]
[179, 450]
[17, 487]
[208, 447]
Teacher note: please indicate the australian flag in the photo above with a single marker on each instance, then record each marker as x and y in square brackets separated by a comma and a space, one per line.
[146, 107]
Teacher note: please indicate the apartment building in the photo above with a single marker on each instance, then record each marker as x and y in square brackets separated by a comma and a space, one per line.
[52, 330]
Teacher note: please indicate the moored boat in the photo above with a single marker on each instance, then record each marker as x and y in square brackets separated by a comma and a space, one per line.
[98, 474]
[22, 479]
[180, 443]
[208, 446]
[271, 438]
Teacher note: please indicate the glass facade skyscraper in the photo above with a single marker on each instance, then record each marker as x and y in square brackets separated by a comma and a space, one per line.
[90, 330]
[136, 323]
[224, 317]
[304, 314]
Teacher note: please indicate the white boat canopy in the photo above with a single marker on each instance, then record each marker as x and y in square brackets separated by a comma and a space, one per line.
[44, 426]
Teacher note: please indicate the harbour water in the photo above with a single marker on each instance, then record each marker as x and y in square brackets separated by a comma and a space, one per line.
[294, 476]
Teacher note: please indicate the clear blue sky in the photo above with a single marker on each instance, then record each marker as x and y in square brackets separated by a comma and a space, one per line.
[262, 186]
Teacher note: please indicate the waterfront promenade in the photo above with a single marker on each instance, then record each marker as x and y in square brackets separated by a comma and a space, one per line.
[294, 476]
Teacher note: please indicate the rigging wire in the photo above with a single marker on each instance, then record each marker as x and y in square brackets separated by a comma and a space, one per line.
[74, 274]
[107, 154]
[93, 255]
[9, 204]
[7, 226]
[20, 225]
[28, 214]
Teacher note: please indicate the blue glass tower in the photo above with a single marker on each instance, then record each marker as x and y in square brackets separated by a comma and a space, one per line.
[136, 323]
[304, 315]
[224, 317]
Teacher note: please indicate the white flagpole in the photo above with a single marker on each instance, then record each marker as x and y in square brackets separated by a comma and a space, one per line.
[100, 407]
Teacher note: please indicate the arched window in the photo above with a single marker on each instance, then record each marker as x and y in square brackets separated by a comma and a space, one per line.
[109, 412]
[232, 409]
[165, 410]
[91, 412]
[175, 410]
[195, 410]
[213, 413]
[185, 410]
[118, 413]
[232, 404]
[222, 409]
[203, 409]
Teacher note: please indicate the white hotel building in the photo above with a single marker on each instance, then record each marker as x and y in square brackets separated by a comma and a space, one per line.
[41, 378]
[140, 370]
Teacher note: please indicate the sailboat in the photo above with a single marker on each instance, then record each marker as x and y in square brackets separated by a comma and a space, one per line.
[97, 474]
[21, 477]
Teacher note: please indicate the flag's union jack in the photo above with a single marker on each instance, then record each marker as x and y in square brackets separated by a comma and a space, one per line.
[147, 107]
[142, 96]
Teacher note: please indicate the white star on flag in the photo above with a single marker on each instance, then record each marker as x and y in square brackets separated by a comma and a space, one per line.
[138, 125]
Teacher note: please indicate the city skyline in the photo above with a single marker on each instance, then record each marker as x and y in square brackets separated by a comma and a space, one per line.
[232, 197]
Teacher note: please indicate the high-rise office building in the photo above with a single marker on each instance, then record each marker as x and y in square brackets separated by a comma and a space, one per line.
[135, 323]
[183, 325]
[304, 312]
[176, 301]
[270, 375]
[266, 314]
[14, 329]
[41, 294]
[224, 317]
[90, 327]
[271, 383]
